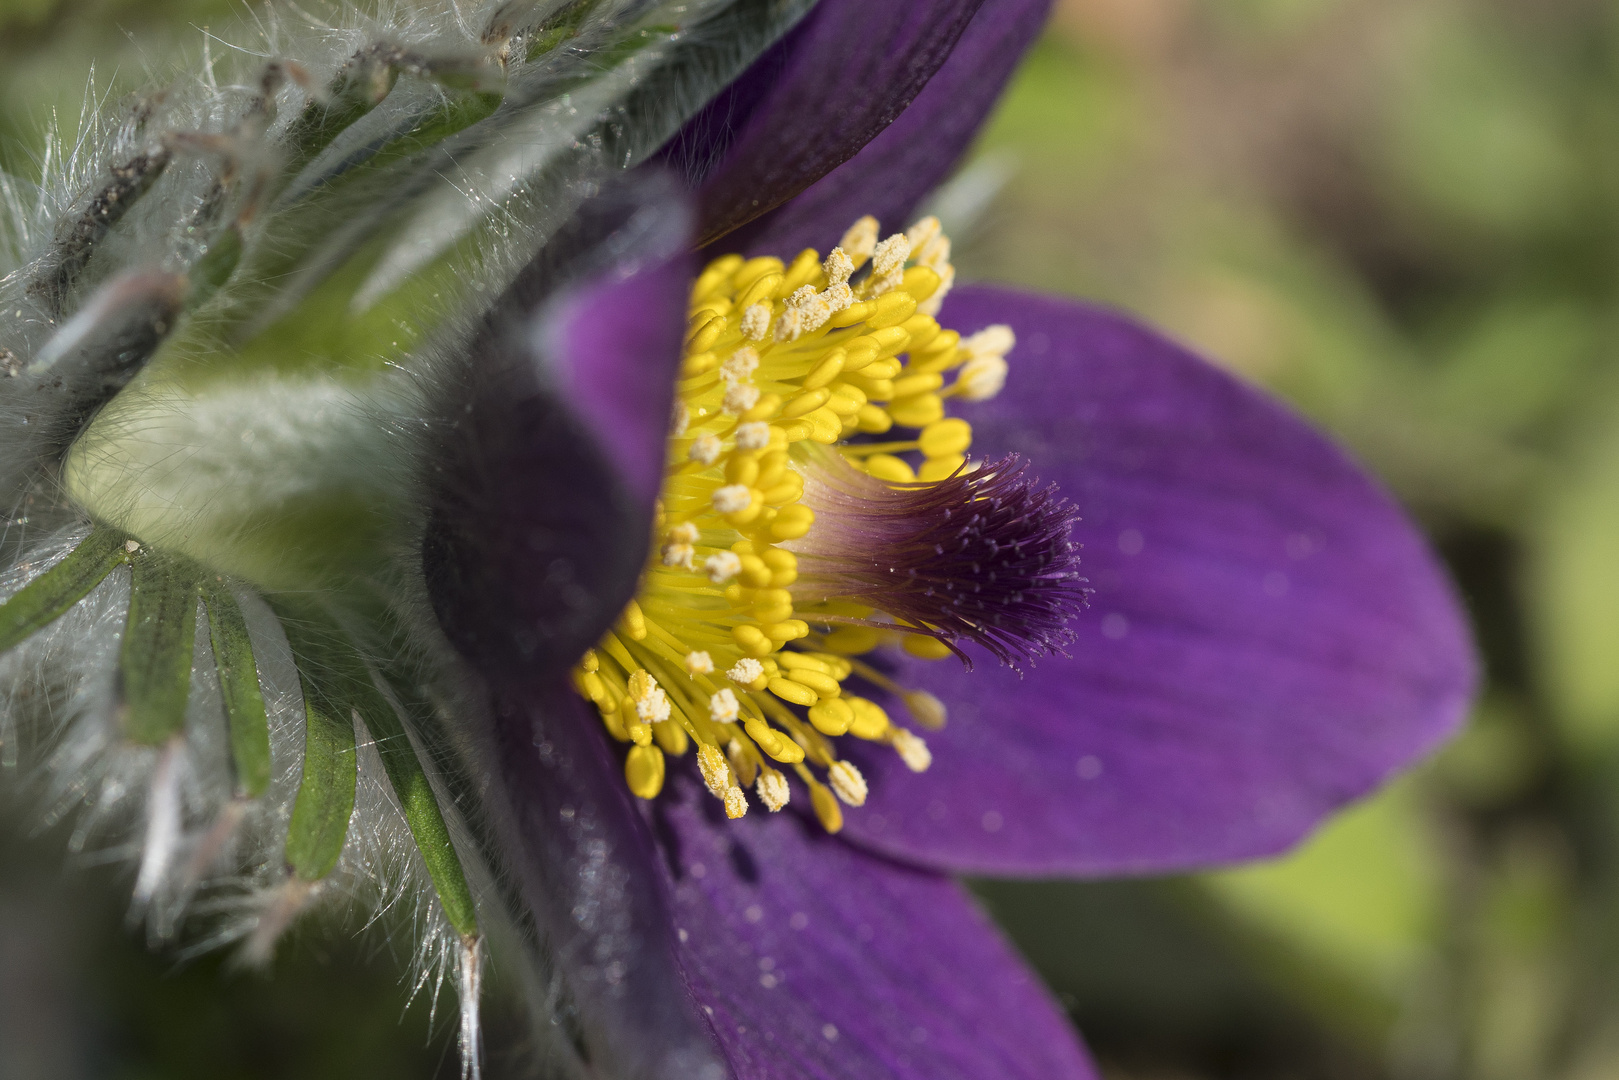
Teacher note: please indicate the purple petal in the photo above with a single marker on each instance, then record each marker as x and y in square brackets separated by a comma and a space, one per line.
[547, 478]
[814, 961]
[583, 863]
[614, 346]
[811, 102]
[1269, 638]
[899, 167]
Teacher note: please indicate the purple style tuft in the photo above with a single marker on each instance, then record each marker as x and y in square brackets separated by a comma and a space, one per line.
[983, 556]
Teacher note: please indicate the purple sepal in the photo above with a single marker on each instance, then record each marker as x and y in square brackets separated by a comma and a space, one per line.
[810, 103]
[1269, 638]
[815, 961]
[902, 164]
[582, 859]
[614, 347]
[548, 471]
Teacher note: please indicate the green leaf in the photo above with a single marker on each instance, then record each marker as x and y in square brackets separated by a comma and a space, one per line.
[325, 802]
[159, 636]
[337, 682]
[239, 685]
[416, 796]
[49, 596]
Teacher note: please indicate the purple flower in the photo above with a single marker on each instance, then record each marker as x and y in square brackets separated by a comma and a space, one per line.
[1267, 639]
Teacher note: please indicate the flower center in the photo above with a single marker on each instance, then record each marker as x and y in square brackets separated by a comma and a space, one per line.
[793, 537]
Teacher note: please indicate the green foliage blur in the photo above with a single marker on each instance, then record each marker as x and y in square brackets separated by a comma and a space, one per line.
[1403, 215]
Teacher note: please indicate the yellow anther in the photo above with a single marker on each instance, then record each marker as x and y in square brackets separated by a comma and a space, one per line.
[695, 365]
[873, 420]
[847, 783]
[722, 567]
[705, 449]
[772, 467]
[918, 411]
[911, 385]
[748, 672]
[928, 710]
[736, 803]
[805, 270]
[853, 314]
[772, 789]
[731, 499]
[824, 685]
[875, 387]
[772, 605]
[836, 666]
[783, 565]
[672, 737]
[860, 240]
[632, 622]
[744, 764]
[590, 661]
[892, 309]
[752, 641]
[643, 771]
[755, 322]
[981, 378]
[926, 648]
[807, 402]
[703, 338]
[826, 426]
[888, 368]
[851, 640]
[723, 707]
[870, 721]
[942, 344]
[755, 574]
[862, 352]
[890, 339]
[793, 691]
[786, 630]
[743, 468]
[770, 741]
[613, 721]
[824, 372]
[739, 398]
[826, 808]
[920, 282]
[764, 407]
[941, 468]
[761, 290]
[789, 490]
[716, 274]
[754, 269]
[832, 716]
[945, 437]
[797, 661]
[792, 522]
[640, 733]
[716, 773]
[890, 468]
[591, 686]
[923, 329]
[911, 749]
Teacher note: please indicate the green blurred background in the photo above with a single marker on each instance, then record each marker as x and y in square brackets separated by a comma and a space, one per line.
[1403, 215]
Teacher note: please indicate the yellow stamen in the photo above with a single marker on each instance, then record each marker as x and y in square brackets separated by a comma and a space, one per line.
[782, 361]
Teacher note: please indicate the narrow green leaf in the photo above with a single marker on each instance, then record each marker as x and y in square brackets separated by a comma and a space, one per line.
[49, 596]
[239, 685]
[325, 802]
[320, 816]
[159, 635]
[340, 683]
[416, 796]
